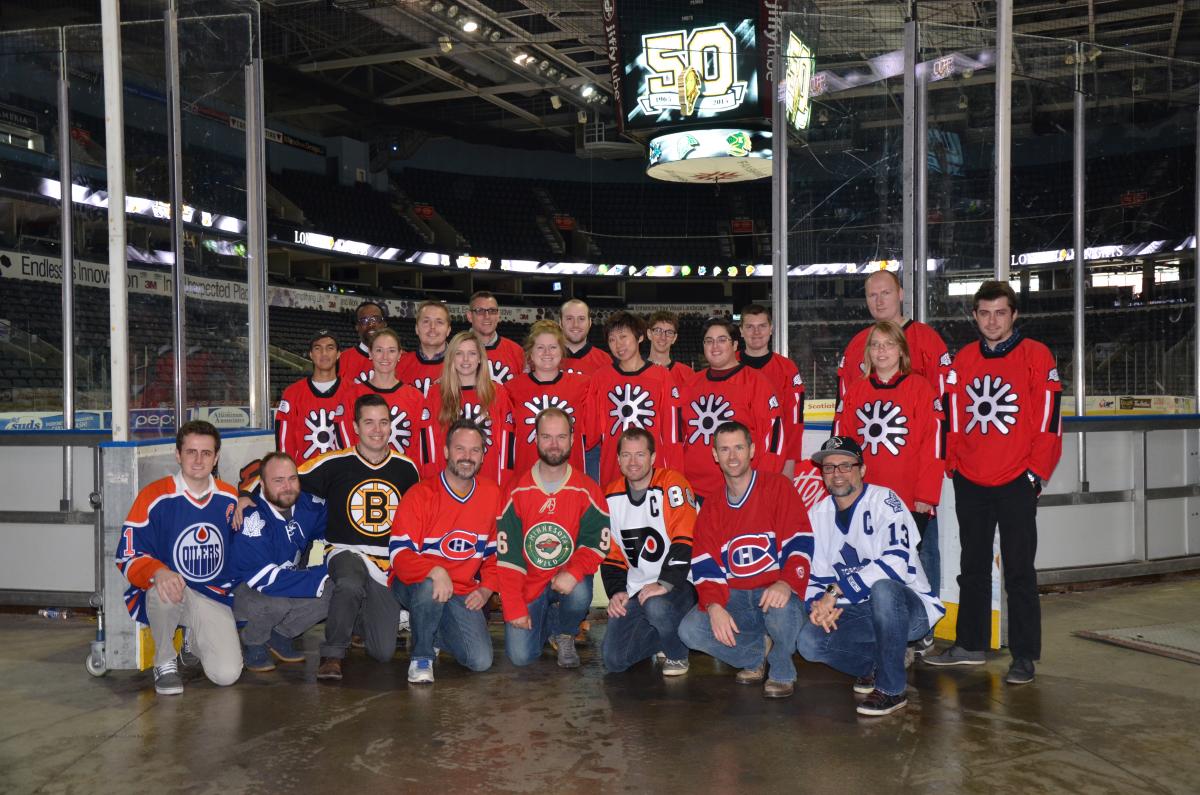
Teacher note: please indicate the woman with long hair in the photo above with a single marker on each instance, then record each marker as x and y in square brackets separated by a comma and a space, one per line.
[412, 435]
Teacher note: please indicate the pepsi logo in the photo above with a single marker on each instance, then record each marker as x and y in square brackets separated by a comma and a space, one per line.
[750, 555]
[199, 553]
[458, 545]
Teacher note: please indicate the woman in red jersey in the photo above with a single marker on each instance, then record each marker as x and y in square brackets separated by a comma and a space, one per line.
[411, 432]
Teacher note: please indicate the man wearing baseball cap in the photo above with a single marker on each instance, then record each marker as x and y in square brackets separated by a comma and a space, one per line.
[310, 419]
[867, 595]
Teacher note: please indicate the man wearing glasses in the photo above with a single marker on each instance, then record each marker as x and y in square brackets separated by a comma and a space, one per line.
[663, 331]
[867, 594]
[505, 357]
[354, 364]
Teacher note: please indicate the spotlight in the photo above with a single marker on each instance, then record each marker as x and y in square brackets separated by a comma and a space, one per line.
[452, 12]
[470, 26]
[587, 90]
[555, 101]
[968, 73]
[495, 35]
[519, 58]
[543, 66]
[444, 43]
[581, 117]
[962, 102]
[552, 74]
[437, 8]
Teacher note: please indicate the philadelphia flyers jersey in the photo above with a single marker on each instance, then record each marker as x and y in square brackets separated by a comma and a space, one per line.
[1004, 412]
[644, 399]
[309, 422]
[651, 537]
[188, 533]
[412, 432]
[587, 360]
[926, 351]
[362, 500]
[506, 359]
[418, 372]
[898, 424]
[496, 422]
[569, 392]
[784, 377]
[742, 394]
[437, 527]
[761, 539]
[541, 532]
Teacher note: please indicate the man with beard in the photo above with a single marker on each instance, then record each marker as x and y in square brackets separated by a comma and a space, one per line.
[278, 598]
[443, 551]
[550, 540]
[421, 367]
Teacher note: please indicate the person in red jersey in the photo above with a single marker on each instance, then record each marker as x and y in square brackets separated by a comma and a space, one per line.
[420, 368]
[311, 418]
[782, 374]
[443, 552]
[543, 387]
[751, 555]
[1005, 441]
[630, 393]
[580, 356]
[727, 390]
[550, 539]
[663, 330]
[354, 364]
[465, 391]
[412, 434]
[505, 358]
[927, 350]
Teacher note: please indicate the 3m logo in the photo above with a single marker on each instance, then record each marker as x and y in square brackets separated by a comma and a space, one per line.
[371, 507]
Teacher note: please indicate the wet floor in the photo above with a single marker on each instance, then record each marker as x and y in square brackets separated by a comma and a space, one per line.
[1098, 719]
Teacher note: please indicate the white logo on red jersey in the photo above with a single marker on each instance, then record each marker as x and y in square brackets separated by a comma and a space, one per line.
[711, 410]
[993, 403]
[474, 413]
[401, 437]
[322, 433]
[632, 407]
[500, 371]
[549, 506]
[539, 404]
[883, 424]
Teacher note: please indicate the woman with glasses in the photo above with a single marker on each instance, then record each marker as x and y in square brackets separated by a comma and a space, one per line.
[412, 434]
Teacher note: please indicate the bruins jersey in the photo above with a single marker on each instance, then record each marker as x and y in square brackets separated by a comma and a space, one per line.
[651, 537]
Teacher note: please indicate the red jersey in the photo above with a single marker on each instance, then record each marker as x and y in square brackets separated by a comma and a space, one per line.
[355, 365]
[436, 527]
[899, 427]
[680, 374]
[506, 358]
[418, 372]
[411, 435]
[761, 539]
[569, 392]
[640, 399]
[926, 351]
[1004, 413]
[496, 422]
[309, 422]
[542, 532]
[587, 360]
[784, 377]
[809, 484]
[740, 393]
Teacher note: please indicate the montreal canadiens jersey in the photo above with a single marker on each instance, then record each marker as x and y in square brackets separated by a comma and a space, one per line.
[418, 372]
[437, 527]
[569, 392]
[874, 539]
[189, 534]
[742, 394]
[1004, 413]
[784, 377]
[926, 352]
[542, 532]
[761, 539]
[651, 537]
[269, 550]
[619, 400]
[586, 361]
[496, 422]
[506, 359]
[899, 427]
[412, 428]
[309, 422]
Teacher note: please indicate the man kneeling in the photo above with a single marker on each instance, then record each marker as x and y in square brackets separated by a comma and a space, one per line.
[867, 596]
[443, 552]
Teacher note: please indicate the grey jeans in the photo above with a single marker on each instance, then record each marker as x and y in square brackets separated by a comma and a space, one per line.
[355, 594]
[214, 634]
[289, 616]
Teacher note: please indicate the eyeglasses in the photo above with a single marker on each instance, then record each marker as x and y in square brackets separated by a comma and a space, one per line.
[844, 469]
[370, 320]
[663, 332]
[486, 311]
[883, 345]
[717, 340]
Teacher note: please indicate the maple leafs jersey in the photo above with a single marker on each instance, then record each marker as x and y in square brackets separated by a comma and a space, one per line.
[651, 537]
[189, 534]
[761, 539]
[872, 540]
[742, 394]
[437, 527]
[418, 372]
[506, 359]
[585, 361]
[412, 426]
[569, 392]
[268, 552]
[496, 422]
[899, 427]
[1004, 413]
[639, 399]
[926, 352]
[309, 422]
[542, 532]
[784, 377]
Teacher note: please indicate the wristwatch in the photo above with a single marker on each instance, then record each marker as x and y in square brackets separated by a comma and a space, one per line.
[833, 589]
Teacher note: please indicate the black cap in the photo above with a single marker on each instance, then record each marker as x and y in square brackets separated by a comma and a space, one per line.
[843, 445]
[321, 334]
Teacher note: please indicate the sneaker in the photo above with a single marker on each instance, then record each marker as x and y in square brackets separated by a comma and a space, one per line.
[256, 658]
[420, 670]
[330, 668]
[167, 681]
[187, 654]
[1020, 672]
[773, 689]
[865, 685]
[880, 703]
[674, 667]
[955, 655]
[567, 656]
[752, 676]
[356, 642]
[283, 649]
[924, 645]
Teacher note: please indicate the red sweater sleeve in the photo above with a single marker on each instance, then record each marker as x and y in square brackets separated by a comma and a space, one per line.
[408, 533]
[929, 433]
[1046, 390]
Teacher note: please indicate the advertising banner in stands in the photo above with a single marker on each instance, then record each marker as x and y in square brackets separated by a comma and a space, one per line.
[704, 310]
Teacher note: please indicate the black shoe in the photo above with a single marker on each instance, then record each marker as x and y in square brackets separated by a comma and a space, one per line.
[1020, 672]
[865, 685]
[880, 703]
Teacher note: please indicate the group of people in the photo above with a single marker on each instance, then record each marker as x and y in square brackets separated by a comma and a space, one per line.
[466, 476]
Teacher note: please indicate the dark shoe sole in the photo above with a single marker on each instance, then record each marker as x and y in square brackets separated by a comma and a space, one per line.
[1019, 680]
[879, 713]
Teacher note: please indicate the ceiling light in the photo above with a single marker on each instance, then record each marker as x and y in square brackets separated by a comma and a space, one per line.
[519, 58]
[437, 8]
[553, 73]
[962, 102]
[603, 99]
[496, 35]
[544, 65]
[555, 101]
[452, 12]
[587, 90]
[444, 43]
[470, 26]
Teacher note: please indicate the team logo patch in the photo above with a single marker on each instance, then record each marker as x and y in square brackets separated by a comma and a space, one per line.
[253, 526]
[1053, 374]
[500, 372]
[402, 435]
[371, 507]
[322, 435]
[548, 545]
[883, 425]
[540, 403]
[474, 412]
[458, 545]
[199, 553]
[632, 407]
[810, 487]
[284, 407]
[751, 554]
[993, 405]
[711, 410]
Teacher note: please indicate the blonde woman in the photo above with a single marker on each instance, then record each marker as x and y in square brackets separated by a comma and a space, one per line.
[412, 434]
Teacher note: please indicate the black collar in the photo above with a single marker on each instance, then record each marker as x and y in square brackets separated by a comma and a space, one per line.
[725, 374]
[312, 387]
[757, 362]
[1003, 349]
[895, 382]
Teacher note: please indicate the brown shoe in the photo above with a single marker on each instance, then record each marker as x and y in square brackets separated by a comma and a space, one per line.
[773, 689]
[331, 668]
[752, 676]
[581, 638]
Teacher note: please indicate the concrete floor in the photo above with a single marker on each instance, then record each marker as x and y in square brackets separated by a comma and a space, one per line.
[1098, 719]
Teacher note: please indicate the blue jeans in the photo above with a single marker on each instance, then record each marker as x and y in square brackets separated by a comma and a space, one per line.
[448, 625]
[929, 554]
[782, 624]
[871, 636]
[647, 629]
[551, 614]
